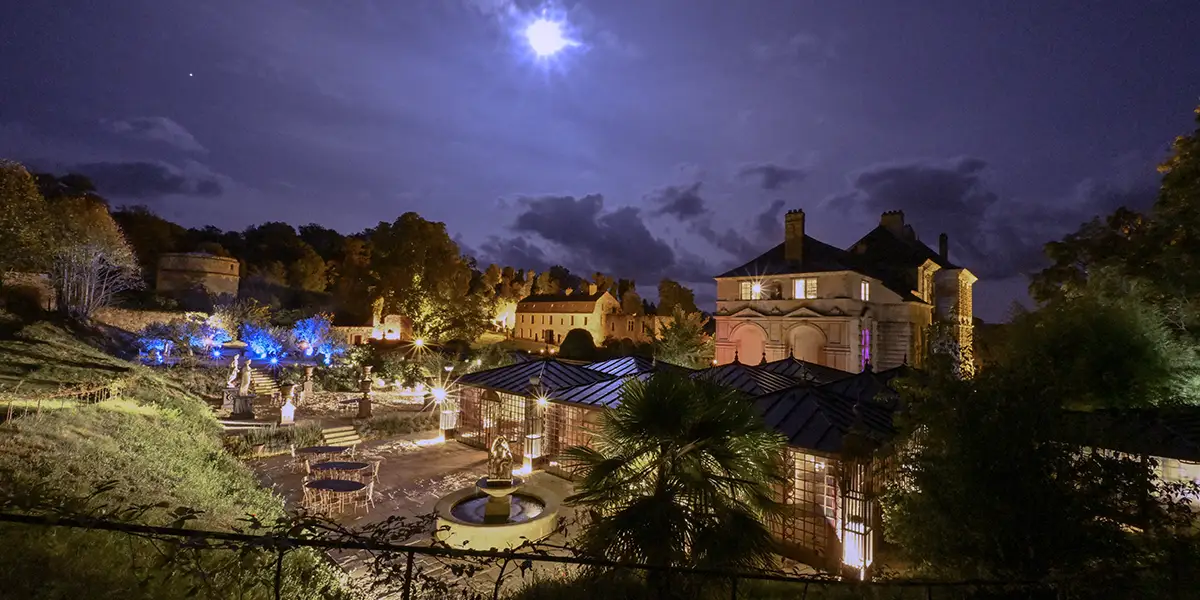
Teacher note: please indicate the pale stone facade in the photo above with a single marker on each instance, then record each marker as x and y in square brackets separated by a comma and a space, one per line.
[549, 317]
[871, 303]
[183, 272]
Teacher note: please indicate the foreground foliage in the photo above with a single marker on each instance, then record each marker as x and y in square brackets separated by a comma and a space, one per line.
[680, 474]
[153, 444]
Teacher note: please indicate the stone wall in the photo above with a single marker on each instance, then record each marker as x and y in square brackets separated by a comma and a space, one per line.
[135, 320]
[182, 272]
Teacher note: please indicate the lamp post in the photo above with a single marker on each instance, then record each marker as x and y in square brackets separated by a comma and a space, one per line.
[364, 402]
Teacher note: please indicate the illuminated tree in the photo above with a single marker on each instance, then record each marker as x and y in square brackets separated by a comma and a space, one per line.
[682, 341]
[672, 294]
[93, 262]
[25, 243]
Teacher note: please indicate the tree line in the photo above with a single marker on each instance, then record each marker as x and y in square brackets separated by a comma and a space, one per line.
[409, 266]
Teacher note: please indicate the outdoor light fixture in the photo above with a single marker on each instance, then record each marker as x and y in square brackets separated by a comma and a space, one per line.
[542, 401]
[216, 353]
[439, 394]
[274, 360]
[449, 368]
[756, 289]
[419, 342]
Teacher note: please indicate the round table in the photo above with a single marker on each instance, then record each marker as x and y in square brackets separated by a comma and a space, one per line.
[337, 486]
[345, 466]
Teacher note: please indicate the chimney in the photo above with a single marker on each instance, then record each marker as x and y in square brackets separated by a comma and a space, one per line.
[591, 289]
[944, 246]
[793, 235]
[893, 221]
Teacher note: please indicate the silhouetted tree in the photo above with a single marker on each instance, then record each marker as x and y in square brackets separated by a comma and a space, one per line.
[578, 344]
[672, 294]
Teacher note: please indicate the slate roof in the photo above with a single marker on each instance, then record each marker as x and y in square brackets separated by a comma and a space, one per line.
[803, 370]
[1166, 432]
[514, 378]
[817, 419]
[818, 257]
[869, 386]
[751, 380]
[629, 365]
[880, 254]
[606, 394]
[560, 303]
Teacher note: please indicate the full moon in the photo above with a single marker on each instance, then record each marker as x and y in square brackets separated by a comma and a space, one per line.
[546, 37]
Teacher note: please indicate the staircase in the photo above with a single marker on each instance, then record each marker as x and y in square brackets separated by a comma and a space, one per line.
[262, 384]
[346, 435]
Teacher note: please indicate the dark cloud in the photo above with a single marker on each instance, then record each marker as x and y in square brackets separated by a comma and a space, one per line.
[771, 177]
[516, 252]
[614, 242]
[994, 237]
[681, 202]
[769, 223]
[157, 129]
[148, 179]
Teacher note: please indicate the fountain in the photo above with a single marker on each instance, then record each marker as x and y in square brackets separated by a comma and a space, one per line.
[499, 512]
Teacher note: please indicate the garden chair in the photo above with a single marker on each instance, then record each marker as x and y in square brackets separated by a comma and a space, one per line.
[365, 499]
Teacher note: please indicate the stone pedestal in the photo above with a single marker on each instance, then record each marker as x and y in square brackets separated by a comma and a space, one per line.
[243, 407]
[287, 414]
[497, 509]
[227, 396]
[448, 423]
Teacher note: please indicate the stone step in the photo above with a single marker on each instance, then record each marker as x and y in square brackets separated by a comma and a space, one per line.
[343, 429]
[345, 435]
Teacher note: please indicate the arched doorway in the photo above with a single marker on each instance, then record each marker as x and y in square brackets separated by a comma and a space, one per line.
[750, 341]
[807, 343]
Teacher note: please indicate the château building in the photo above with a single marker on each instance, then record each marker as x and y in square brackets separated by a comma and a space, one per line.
[871, 303]
[548, 318]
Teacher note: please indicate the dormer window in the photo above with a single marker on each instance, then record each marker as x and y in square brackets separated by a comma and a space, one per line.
[864, 290]
[804, 288]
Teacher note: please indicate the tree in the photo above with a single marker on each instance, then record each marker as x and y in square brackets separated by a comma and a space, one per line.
[25, 240]
[631, 303]
[421, 274]
[307, 271]
[603, 282]
[672, 294]
[492, 277]
[94, 262]
[327, 243]
[150, 236]
[578, 344]
[680, 474]
[987, 488]
[682, 341]
[545, 284]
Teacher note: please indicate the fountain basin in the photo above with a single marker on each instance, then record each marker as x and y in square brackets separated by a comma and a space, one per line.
[533, 516]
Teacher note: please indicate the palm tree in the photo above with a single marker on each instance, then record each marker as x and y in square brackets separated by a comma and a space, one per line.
[681, 474]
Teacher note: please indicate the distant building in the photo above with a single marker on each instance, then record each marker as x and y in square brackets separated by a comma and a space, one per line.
[871, 303]
[190, 271]
[549, 317]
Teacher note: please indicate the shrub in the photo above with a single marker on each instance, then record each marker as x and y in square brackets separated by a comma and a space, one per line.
[275, 439]
[264, 341]
[397, 423]
[578, 345]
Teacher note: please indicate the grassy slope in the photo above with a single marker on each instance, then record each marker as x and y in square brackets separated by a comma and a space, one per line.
[157, 440]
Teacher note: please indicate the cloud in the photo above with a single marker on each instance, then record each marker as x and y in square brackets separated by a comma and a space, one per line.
[768, 223]
[771, 177]
[146, 179]
[799, 46]
[681, 202]
[995, 237]
[517, 252]
[156, 129]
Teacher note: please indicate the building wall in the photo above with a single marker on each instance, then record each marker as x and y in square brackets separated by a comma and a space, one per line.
[533, 325]
[829, 329]
[135, 320]
[216, 275]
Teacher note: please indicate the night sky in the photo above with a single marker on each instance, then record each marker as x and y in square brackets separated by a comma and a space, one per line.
[669, 141]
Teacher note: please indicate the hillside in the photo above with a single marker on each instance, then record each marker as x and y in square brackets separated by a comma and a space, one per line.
[157, 443]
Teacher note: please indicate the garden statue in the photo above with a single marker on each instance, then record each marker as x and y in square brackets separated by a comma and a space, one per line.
[233, 370]
[500, 461]
[244, 384]
[287, 414]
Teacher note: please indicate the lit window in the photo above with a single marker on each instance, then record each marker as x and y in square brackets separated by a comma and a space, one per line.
[751, 291]
[804, 289]
[864, 290]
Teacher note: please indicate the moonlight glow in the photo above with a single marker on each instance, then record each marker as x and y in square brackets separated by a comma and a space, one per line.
[546, 37]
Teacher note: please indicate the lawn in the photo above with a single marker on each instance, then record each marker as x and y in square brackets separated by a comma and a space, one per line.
[156, 443]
